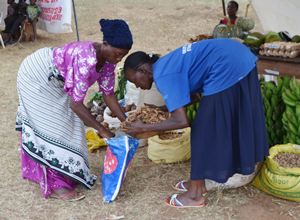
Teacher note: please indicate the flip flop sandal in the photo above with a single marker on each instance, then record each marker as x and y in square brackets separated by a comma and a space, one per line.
[173, 202]
[180, 187]
[64, 197]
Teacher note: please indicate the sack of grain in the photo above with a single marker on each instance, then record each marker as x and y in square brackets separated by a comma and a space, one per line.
[280, 174]
[161, 149]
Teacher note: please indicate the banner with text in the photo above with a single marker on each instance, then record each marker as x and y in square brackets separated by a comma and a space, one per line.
[55, 16]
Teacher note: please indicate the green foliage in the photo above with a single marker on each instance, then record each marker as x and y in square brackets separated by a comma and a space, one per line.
[121, 89]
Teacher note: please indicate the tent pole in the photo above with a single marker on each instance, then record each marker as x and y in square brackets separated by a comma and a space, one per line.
[75, 20]
[224, 11]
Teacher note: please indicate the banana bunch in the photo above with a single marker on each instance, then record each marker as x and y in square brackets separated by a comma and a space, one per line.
[291, 116]
[191, 111]
[273, 108]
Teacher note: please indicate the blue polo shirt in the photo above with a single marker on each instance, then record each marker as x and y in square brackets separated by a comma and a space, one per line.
[208, 66]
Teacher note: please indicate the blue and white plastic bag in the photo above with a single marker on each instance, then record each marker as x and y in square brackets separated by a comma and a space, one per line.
[118, 157]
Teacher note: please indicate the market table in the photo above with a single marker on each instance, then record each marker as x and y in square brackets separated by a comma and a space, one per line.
[278, 66]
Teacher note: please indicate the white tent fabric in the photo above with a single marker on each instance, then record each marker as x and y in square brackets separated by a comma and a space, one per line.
[56, 17]
[278, 15]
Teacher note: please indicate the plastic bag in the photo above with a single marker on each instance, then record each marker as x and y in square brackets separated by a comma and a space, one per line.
[170, 151]
[282, 182]
[113, 122]
[94, 141]
[118, 157]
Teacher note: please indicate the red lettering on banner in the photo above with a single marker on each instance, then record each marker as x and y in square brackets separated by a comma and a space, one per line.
[51, 14]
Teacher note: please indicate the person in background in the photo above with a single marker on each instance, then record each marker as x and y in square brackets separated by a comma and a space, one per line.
[12, 25]
[232, 9]
[10, 12]
[228, 134]
[33, 12]
[52, 84]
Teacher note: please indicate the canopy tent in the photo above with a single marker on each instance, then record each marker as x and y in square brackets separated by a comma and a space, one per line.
[276, 15]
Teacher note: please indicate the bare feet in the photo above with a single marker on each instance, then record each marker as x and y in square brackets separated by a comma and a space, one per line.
[66, 194]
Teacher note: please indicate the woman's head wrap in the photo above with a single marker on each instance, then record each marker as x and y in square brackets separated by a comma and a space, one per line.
[116, 33]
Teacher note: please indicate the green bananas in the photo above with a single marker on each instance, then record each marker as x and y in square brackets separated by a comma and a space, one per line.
[191, 111]
[274, 107]
[291, 116]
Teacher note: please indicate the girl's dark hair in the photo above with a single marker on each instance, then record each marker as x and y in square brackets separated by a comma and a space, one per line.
[236, 4]
[136, 59]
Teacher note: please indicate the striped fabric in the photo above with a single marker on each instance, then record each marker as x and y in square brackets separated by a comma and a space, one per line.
[52, 134]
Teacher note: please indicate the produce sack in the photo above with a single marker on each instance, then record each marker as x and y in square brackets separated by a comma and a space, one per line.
[132, 94]
[94, 141]
[113, 122]
[170, 151]
[282, 182]
[237, 180]
[118, 157]
[151, 96]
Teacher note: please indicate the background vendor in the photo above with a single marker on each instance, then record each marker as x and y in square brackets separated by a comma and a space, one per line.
[232, 9]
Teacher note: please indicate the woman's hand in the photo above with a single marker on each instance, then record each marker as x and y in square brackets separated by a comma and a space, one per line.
[135, 127]
[113, 104]
[85, 115]
[106, 133]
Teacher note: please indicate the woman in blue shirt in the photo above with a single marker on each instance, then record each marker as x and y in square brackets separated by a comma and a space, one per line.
[228, 134]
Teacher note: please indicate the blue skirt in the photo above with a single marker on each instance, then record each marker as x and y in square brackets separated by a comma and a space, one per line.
[229, 134]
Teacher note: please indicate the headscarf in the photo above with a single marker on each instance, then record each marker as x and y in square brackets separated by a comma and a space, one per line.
[116, 33]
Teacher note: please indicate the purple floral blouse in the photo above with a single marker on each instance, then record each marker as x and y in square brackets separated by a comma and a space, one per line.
[76, 63]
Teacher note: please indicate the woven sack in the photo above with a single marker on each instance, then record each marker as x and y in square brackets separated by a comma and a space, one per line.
[170, 151]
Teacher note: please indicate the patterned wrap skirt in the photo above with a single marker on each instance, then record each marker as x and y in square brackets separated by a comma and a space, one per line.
[52, 134]
[228, 133]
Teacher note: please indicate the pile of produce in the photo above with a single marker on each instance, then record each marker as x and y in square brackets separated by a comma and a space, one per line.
[281, 49]
[274, 108]
[97, 111]
[96, 106]
[287, 159]
[200, 37]
[127, 108]
[282, 110]
[147, 115]
[170, 135]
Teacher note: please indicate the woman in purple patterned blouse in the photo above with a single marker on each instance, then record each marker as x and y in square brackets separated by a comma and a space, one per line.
[52, 84]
